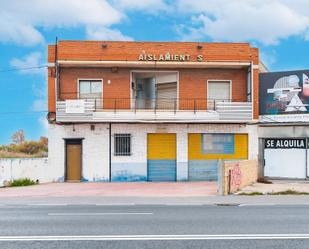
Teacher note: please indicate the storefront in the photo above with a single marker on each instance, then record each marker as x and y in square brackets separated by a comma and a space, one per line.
[149, 152]
[283, 129]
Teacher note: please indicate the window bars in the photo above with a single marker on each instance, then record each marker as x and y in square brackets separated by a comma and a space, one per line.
[122, 144]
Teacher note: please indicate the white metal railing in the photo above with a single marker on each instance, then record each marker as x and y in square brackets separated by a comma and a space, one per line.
[182, 110]
[234, 110]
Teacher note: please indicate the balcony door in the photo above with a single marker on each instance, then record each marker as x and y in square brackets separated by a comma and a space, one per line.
[155, 89]
[145, 93]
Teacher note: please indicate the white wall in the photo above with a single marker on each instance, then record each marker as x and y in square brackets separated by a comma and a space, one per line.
[130, 168]
[283, 131]
[95, 153]
[290, 163]
[33, 168]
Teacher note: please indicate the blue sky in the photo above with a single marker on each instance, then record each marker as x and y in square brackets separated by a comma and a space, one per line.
[280, 28]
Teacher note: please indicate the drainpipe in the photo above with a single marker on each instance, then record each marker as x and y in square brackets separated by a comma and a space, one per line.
[57, 71]
[110, 151]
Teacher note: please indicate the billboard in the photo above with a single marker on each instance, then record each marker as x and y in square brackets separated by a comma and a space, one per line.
[284, 96]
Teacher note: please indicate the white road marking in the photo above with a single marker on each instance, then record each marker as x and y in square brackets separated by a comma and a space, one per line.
[47, 204]
[157, 237]
[257, 204]
[274, 204]
[95, 214]
[115, 204]
[184, 204]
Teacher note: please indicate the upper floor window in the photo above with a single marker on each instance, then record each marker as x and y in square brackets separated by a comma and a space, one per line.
[90, 89]
[219, 90]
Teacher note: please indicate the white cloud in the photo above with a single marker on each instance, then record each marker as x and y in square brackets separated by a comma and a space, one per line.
[29, 61]
[44, 124]
[39, 105]
[268, 58]
[266, 22]
[21, 20]
[40, 102]
[103, 33]
[145, 5]
[13, 30]
[244, 20]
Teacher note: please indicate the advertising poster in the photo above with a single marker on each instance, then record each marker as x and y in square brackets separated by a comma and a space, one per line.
[284, 96]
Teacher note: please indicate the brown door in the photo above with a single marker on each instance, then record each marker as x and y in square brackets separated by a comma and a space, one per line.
[73, 162]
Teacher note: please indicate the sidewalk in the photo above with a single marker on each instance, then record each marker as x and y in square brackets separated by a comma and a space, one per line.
[277, 186]
[193, 193]
[114, 189]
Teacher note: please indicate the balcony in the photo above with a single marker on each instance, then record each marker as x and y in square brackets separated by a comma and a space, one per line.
[153, 110]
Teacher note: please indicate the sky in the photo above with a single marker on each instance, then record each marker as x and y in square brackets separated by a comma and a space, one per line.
[279, 28]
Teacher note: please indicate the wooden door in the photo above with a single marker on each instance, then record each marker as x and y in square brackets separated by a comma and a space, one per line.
[73, 160]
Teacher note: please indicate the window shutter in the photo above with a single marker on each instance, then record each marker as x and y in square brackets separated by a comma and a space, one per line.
[219, 90]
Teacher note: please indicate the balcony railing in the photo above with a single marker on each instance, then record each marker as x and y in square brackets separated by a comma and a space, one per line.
[215, 109]
[168, 104]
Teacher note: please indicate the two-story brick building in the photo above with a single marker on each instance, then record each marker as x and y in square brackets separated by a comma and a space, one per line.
[150, 111]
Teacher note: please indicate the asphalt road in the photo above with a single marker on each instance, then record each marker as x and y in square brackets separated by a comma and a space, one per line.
[154, 226]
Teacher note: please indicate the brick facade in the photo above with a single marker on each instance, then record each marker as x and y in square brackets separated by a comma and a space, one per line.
[129, 51]
[192, 81]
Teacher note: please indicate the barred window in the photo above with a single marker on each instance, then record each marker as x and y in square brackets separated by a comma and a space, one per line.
[122, 144]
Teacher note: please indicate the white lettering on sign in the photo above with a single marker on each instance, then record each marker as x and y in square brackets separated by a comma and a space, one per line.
[285, 143]
[75, 106]
[168, 57]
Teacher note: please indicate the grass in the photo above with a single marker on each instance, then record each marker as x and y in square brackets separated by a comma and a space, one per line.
[289, 192]
[251, 193]
[8, 154]
[285, 192]
[22, 182]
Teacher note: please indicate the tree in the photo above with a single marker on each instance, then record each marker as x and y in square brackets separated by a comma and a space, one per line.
[18, 137]
[43, 143]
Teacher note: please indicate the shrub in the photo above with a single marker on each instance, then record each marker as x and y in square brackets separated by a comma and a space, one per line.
[29, 147]
[22, 182]
[25, 148]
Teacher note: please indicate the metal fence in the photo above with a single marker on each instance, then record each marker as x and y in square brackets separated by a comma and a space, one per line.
[171, 104]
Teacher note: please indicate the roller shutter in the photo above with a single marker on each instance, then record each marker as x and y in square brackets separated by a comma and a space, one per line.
[161, 155]
[166, 95]
[285, 158]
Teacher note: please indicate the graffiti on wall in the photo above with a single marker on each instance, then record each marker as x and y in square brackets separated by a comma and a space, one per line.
[235, 174]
